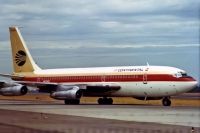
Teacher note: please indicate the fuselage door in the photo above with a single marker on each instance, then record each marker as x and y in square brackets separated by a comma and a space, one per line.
[145, 78]
[103, 78]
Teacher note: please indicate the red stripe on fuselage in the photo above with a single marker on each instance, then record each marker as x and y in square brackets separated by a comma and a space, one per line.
[109, 78]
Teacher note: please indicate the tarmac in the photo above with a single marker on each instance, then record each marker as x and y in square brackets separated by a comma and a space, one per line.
[43, 116]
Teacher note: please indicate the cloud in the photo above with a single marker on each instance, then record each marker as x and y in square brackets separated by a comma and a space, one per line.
[105, 25]
[88, 18]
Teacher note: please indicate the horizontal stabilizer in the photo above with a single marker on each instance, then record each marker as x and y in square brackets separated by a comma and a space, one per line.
[11, 76]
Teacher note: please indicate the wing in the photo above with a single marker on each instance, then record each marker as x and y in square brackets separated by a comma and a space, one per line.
[88, 89]
[92, 89]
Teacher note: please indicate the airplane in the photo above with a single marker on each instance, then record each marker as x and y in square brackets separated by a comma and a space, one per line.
[70, 84]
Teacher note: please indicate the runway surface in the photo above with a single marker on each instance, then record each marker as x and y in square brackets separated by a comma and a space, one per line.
[30, 122]
[180, 116]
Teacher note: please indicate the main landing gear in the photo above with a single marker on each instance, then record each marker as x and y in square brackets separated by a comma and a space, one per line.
[72, 101]
[105, 101]
[166, 101]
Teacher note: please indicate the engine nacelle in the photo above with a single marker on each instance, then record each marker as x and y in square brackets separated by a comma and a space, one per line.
[17, 90]
[73, 93]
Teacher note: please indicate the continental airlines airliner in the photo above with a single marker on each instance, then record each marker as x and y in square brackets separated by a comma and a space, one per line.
[70, 84]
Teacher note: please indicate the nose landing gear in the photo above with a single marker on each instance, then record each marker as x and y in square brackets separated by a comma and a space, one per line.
[166, 101]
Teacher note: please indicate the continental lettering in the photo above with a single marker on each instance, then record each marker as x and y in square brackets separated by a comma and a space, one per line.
[130, 70]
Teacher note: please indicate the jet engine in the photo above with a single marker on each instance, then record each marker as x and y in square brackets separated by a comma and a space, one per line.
[69, 93]
[15, 90]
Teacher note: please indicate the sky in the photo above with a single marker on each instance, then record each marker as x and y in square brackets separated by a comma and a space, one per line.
[90, 33]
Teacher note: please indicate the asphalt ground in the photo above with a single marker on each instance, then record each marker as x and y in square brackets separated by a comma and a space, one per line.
[49, 117]
[31, 122]
[38, 113]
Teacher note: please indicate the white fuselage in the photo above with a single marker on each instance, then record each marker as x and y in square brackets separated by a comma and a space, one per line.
[135, 81]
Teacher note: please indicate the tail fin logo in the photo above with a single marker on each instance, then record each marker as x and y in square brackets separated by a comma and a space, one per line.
[20, 58]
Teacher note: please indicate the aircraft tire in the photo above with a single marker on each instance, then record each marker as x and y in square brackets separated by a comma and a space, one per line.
[110, 101]
[100, 101]
[166, 101]
[105, 101]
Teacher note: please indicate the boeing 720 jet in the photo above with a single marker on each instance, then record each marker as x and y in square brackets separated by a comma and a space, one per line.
[70, 84]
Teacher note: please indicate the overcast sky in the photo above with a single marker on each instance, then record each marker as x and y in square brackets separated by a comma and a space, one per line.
[87, 33]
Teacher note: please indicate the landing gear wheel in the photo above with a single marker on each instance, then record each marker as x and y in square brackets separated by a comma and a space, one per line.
[72, 101]
[66, 102]
[105, 101]
[100, 101]
[166, 101]
[110, 101]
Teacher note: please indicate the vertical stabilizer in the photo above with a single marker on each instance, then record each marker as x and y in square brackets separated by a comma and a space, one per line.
[21, 57]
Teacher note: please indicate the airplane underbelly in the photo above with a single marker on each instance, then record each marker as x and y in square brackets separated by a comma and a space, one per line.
[152, 89]
[141, 89]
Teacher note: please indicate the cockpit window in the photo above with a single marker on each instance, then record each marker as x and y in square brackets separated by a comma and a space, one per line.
[184, 74]
[180, 74]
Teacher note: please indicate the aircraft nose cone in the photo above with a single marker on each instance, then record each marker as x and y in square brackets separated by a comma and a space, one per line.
[195, 83]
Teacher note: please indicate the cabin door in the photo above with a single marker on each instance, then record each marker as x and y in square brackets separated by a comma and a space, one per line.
[145, 76]
[103, 78]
